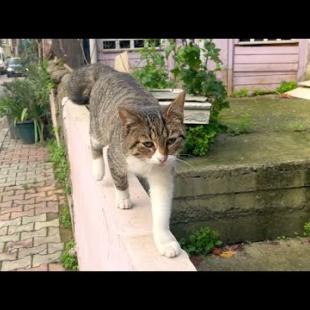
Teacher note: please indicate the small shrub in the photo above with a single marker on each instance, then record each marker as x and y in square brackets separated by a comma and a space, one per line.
[65, 217]
[199, 138]
[286, 86]
[201, 242]
[69, 258]
[241, 93]
[307, 229]
[154, 74]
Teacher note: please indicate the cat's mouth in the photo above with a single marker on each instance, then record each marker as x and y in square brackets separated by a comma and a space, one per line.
[170, 159]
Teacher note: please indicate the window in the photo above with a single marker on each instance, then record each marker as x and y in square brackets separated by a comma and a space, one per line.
[138, 43]
[107, 45]
[265, 41]
[126, 44]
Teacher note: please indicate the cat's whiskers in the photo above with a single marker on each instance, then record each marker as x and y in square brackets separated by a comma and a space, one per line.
[184, 162]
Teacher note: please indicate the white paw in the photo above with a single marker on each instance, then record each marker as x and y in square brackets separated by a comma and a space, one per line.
[122, 199]
[170, 250]
[124, 203]
[98, 168]
[167, 245]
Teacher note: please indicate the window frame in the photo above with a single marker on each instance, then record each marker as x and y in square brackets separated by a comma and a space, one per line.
[270, 42]
[117, 48]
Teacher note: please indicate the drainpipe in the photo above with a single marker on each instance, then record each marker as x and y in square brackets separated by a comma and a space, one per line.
[93, 50]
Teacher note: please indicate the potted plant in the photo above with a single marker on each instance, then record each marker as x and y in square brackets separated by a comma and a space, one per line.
[26, 104]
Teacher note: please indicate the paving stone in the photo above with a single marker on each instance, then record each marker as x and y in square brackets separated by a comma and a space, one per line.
[41, 259]
[17, 264]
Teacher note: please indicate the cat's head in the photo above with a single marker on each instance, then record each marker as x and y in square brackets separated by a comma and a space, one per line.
[153, 133]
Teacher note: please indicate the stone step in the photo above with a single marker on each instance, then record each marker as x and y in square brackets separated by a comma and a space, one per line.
[249, 188]
[304, 84]
[299, 92]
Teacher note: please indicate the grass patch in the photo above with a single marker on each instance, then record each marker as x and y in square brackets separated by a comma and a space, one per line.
[65, 217]
[307, 229]
[202, 242]
[296, 126]
[241, 125]
[243, 92]
[286, 86]
[69, 258]
[61, 167]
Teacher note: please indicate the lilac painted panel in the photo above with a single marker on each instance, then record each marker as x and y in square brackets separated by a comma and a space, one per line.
[108, 58]
[268, 79]
[303, 58]
[255, 73]
[270, 87]
[272, 49]
[265, 67]
[261, 59]
[222, 44]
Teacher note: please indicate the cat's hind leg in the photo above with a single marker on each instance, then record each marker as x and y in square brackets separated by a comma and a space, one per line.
[98, 169]
[119, 175]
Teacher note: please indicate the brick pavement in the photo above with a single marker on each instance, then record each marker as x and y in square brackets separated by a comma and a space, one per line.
[29, 203]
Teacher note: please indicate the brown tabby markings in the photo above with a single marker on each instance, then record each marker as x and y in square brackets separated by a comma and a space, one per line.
[126, 117]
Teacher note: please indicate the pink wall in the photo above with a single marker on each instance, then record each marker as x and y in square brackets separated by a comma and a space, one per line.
[264, 66]
[109, 238]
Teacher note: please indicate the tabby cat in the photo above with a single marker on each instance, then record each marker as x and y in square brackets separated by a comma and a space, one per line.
[143, 138]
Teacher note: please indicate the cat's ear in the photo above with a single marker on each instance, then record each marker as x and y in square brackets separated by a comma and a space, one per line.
[176, 107]
[127, 115]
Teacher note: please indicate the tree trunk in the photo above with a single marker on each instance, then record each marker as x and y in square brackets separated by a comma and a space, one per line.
[69, 50]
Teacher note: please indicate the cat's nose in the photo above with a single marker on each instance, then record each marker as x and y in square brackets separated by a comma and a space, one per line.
[162, 158]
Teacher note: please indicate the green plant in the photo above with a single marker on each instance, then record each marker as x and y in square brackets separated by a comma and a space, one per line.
[69, 258]
[286, 86]
[154, 74]
[65, 217]
[307, 229]
[243, 92]
[193, 69]
[58, 157]
[28, 99]
[201, 242]
[199, 138]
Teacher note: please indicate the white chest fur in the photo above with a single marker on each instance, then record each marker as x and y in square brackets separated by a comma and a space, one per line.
[144, 168]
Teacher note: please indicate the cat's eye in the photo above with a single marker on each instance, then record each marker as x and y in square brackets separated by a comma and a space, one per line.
[148, 144]
[171, 141]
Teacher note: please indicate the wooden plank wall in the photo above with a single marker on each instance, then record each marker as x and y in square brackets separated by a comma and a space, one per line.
[264, 66]
[108, 58]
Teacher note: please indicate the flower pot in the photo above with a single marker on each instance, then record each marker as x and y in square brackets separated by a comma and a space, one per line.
[25, 131]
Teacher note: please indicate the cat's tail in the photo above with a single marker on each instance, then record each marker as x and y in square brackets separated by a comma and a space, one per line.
[76, 93]
[79, 85]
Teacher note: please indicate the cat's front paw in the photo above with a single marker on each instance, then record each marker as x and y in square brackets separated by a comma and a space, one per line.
[167, 245]
[124, 203]
[123, 199]
[98, 168]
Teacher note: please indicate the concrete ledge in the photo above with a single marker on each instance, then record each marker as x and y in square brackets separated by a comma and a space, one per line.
[108, 238]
